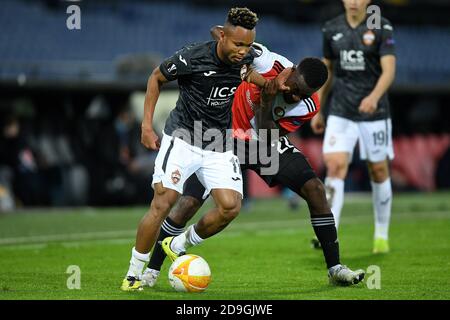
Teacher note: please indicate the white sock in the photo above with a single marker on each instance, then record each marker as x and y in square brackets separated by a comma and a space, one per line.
[335, 191]
[187, 239]
[382, 201]
[192, 238]
[137, 263]
[178, 243]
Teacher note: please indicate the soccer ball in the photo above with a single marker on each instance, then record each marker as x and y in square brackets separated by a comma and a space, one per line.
[189, 273]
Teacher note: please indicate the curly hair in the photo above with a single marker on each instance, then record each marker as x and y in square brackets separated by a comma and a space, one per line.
[314, 72]
[242, 17]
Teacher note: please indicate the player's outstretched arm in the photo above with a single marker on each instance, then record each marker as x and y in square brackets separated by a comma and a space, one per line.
[271, 87]
[318, 121]
[148, 136]
[325, 90]
[263, 114]
[369, 103]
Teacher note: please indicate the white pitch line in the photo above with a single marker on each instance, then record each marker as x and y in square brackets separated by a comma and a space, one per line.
[238, 227]
[68, 237]
[104, 235]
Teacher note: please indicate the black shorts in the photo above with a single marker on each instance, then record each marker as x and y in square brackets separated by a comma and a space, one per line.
[294, 170]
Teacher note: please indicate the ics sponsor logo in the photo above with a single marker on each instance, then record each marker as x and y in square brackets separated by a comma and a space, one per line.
[352, 60]
[220, 96]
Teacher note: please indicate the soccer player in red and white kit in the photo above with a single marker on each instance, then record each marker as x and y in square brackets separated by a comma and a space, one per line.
[253, 110]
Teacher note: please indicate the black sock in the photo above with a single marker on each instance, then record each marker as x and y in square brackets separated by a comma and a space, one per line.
[325, 230]
[168, 229]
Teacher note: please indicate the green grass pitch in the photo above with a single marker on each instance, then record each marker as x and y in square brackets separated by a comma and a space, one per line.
[264, 254]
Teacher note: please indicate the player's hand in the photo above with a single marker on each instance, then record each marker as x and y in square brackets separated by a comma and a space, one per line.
[281, 79]
[368, 105]
[318, 124]
[149, 138]
[278, 84]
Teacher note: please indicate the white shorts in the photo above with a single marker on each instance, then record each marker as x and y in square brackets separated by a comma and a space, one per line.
[374, 137]
[177, 161]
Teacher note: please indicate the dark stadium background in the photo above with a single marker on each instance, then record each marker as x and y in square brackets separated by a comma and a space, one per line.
[70, 100]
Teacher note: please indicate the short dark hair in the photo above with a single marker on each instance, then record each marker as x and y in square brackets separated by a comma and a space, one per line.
[242, 17]
[314, 71]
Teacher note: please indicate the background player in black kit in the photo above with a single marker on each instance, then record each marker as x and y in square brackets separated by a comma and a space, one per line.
[361, 61]
[208, 74]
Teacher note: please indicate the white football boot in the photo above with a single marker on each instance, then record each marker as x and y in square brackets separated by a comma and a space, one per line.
[341, 275]
[149, 277]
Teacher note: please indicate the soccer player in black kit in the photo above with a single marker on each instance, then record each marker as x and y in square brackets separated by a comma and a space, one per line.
[253, 109]
[360, 56]
[208, 74]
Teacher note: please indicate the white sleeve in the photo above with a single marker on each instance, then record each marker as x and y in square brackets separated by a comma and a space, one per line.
[265, 59]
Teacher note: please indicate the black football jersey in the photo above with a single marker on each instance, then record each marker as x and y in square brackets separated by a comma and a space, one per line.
[207, 87]
[356, 57]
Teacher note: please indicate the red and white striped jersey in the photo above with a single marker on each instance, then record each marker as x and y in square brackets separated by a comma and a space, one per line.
[289, 117]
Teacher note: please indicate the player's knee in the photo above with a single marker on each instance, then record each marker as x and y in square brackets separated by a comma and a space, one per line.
[162, 201]
[160, 207]
[229, 209]
[184, 210]
[379, 172]
[314, 192]
[336, 167]
[316, 187]
[158, 211]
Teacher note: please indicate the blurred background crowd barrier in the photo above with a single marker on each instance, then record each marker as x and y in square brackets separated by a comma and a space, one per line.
[71, 100]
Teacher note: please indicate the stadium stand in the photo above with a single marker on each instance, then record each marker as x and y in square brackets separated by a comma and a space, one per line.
[41, 47]
[109, 59]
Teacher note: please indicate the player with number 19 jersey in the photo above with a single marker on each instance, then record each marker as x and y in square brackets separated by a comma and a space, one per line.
[356, 56]
[357, 53]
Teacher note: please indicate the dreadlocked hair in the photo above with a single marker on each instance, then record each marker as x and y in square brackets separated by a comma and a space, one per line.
[242, 17]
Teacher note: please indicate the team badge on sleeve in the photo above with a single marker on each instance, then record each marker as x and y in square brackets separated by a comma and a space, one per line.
[390, 41]
[279, 111]
[171, 68]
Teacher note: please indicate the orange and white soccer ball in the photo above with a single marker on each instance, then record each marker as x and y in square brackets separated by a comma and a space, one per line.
[189, 273]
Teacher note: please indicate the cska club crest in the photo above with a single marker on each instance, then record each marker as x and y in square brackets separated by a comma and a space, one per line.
[176, 176]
